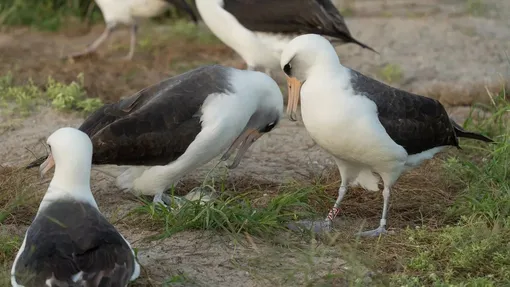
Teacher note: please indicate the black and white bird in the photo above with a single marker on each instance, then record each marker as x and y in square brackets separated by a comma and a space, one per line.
[372, 130]
[171, 128]
[127, 12]
[70, 243]
[258, 30]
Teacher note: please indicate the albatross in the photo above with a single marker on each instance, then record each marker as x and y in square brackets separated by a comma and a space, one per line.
[127, 12]
[171, 128]
[70, 242]
[258, 30]
[372, 130]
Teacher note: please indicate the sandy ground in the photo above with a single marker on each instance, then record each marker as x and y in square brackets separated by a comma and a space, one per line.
[442, 48]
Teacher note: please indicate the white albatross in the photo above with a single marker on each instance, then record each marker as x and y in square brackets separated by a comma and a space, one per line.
[372, 130]
[70, 242]
[177, 125]
[127, 12]
[258, 30]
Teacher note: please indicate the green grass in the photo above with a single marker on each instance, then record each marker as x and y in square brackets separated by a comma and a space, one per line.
[26, 98]
[232, 213]
[54, 14]
[45, 14]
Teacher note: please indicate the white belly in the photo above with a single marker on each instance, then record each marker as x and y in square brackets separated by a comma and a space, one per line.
[124, 11]
[148, 8]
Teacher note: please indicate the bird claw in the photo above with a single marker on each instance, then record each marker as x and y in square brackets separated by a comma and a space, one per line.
[315, 226]
[162, 199]
[373, 233]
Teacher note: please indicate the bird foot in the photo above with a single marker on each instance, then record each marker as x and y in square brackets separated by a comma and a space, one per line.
[126, 58]
[203, 193]
[162, 199]
[315, 226]
[78, 55]
[373, 233]
[126, 180]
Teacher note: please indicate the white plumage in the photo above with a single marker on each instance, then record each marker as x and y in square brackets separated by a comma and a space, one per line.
[372, 130]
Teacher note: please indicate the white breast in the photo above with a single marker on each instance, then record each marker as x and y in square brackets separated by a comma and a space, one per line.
[347, 125]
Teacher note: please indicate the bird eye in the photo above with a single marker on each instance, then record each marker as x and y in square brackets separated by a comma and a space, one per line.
[269, 127]
[287, 68]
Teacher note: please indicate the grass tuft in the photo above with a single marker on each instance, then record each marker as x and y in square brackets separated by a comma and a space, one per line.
[19, 200]
[24, 99]
[234, 214]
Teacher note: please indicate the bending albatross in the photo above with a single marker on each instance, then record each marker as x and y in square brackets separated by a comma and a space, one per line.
[368, 127]
[182, 123]
[258, 30]
[126, 12]
[70, 243]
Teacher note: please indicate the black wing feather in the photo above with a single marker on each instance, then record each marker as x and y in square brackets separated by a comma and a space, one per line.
[69, 237]
[156, 125]
[292, 17]
[415, 122]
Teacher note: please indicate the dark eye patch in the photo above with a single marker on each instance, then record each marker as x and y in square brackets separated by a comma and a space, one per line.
[287, 69]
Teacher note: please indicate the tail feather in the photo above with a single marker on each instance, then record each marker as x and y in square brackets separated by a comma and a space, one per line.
[36, 162]
[462, 133]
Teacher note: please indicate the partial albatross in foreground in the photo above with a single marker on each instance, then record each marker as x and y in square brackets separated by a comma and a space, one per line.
[371, 129]
[182, 123]
[126, 12]
[258, 30]
[70, 243]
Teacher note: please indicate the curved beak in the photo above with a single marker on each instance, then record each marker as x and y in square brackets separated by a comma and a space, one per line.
[294, 86]
[243, 141]
[46, 165]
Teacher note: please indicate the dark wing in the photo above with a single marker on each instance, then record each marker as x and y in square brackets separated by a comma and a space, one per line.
[71, 237]
[415, 122]
[292, 17]
[156, 125]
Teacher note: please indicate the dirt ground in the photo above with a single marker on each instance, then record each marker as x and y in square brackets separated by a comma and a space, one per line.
[449, 50]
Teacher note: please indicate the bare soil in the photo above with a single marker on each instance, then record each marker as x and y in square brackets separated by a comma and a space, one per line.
[443, 51]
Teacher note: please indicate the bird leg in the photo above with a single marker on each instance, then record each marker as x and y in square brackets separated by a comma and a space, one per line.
[382, 225]
[322, 225]
[335, 210]
[132, 43]
[162, 198]
[93, 47]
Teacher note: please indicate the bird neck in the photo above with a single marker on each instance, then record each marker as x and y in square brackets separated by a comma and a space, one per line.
[71, 175]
